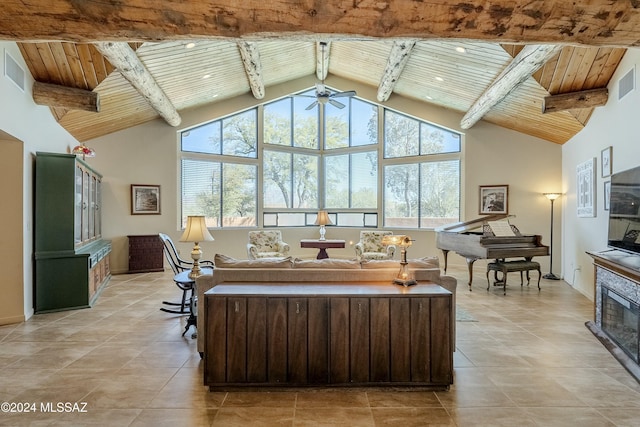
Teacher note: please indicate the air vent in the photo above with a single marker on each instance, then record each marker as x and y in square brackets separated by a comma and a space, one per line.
[627, 83]
[13, 71]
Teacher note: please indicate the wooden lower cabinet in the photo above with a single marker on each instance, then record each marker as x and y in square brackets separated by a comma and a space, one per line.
[145, 254]
[66, 281]
[297, 334]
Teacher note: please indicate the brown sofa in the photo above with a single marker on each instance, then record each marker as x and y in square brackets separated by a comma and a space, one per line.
[283, 270]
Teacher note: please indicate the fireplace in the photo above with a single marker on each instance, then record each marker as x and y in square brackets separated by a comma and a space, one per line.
[617, 306]
[620, 318]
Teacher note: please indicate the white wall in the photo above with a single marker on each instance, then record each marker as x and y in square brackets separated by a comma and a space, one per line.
[148, 154]
[616, 125]
[36, 128]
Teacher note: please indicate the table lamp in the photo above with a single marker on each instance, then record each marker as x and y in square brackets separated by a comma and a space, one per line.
[196, 232]
[322, 219]
[404, 277]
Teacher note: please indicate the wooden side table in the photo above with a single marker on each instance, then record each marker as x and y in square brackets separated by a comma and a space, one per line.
[322, 245]
[185, 282]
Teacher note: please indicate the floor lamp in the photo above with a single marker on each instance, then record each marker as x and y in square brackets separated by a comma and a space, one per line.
[552, 197]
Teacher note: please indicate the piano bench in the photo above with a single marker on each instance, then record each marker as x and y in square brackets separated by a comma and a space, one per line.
[510, 266]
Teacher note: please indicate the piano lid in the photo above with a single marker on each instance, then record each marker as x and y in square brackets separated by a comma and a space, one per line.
[461, 227]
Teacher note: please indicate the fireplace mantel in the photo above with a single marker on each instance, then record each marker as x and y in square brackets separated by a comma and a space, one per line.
[620, 262]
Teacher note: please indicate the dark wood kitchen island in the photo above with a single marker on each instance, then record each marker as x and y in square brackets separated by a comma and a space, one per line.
[338, 334]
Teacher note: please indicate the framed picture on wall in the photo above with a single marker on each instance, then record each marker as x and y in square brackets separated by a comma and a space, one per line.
[494, 199]
[605, 161]
[145, 199]
[586, 188]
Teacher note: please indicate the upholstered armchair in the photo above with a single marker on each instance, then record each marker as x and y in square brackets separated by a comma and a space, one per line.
[370, 246]
[266, 244]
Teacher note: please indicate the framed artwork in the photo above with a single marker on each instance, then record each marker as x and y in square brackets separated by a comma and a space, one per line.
[607, 195]
[605, 161]
[494, 199]
[586, 188]
[145, 199]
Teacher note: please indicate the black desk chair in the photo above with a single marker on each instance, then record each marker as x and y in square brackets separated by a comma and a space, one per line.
[178, 265]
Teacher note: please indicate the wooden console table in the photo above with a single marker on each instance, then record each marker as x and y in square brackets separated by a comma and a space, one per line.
[323, 245]
[354, 334]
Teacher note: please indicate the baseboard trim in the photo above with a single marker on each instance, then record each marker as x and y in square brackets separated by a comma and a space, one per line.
[11, 320]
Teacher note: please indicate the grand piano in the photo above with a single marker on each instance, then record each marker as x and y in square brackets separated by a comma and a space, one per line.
[475, 245]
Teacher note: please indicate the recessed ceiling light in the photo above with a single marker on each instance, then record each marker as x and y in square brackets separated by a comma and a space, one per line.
[206, 76]
[190, 45]
[429, 97]
[460, 49]
[440, 79]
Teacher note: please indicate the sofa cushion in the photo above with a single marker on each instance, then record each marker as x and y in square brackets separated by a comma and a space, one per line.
[224, 261]
[380, 263]
[426, 262]
[327, 263]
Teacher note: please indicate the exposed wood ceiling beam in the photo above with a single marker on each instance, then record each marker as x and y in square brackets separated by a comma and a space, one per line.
[527, 62]
[569, 101]
[596, 22]
[253, 67]
[398, 57]
[127, 62]
[66, 97]
[322, 59]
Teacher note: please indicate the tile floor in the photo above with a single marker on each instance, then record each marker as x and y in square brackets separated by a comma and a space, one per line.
[527, 361]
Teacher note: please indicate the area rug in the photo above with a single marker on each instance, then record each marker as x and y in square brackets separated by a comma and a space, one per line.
[463, 315]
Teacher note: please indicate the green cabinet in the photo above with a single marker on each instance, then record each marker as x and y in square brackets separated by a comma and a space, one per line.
[71, 258]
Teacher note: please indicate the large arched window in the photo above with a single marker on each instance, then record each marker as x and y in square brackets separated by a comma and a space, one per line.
[365, 164]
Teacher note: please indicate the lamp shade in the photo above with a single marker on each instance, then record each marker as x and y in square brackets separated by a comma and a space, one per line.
[323, 218]
[552, 196]
[397, 239]
[84, 151]
[196, 230]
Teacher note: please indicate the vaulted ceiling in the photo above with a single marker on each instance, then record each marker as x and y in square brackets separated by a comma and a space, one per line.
[138, 63]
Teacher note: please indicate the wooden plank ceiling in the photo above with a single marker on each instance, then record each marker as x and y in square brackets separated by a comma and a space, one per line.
[212, 71]
[402, 47]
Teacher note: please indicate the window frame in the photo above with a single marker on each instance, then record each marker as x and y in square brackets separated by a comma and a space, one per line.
[371, 217]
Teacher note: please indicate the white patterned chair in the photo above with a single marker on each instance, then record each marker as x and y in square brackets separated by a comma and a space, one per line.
[370, 246]
[266, 244]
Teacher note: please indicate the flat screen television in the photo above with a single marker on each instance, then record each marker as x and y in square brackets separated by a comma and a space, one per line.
[624, 211]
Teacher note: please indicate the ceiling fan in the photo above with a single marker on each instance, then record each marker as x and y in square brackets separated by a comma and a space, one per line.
[324, 95]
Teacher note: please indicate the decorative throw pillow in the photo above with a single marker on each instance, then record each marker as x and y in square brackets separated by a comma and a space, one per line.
[224, 261]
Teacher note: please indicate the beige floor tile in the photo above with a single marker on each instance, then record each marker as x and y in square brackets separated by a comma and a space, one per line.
[96, 417]
[411, 417]
[491, 417]
[622, 417]
[567, 417]
[327, 416]
[403, 399]
[175, 417]
[265, 399]
[527, 360]
[253, 416]
[332, 399]
[475, 396]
